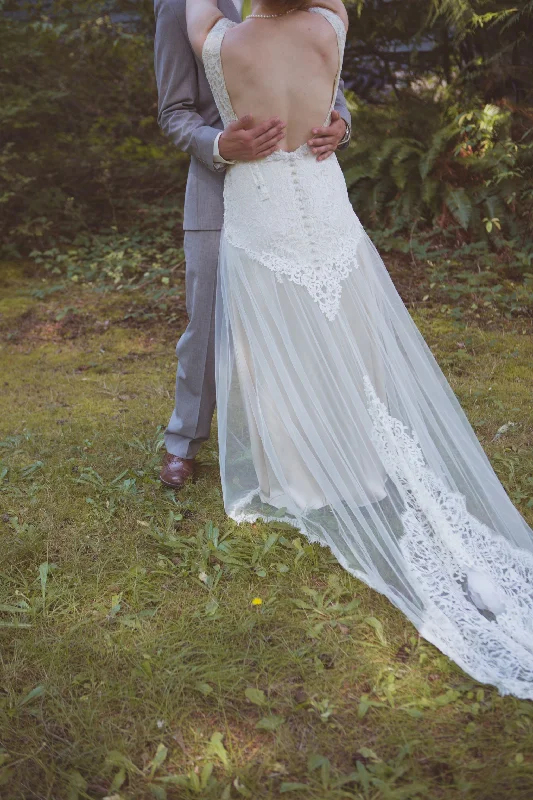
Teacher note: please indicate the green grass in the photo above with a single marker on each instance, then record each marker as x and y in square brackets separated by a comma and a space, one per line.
[133, 662]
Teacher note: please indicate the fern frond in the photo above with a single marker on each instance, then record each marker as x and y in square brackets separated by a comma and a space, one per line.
[439, 143]
[459, 204]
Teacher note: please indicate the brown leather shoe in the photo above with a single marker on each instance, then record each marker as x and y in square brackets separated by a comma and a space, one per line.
[176, 471]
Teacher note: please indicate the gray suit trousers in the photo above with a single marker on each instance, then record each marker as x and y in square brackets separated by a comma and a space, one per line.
[190, 423]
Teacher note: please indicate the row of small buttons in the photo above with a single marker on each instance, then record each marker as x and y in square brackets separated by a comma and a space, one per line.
[300, 196]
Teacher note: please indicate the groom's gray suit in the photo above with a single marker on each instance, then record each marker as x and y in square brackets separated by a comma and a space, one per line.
[189, 117]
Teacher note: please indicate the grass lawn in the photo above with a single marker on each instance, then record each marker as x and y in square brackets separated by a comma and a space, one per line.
[134, 661]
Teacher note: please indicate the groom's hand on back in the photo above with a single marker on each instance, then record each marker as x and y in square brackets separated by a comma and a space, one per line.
[326, 140]
[244, 141]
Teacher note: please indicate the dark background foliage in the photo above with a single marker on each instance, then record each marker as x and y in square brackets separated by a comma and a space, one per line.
[80, 145]
[442, 153]
[444, 119]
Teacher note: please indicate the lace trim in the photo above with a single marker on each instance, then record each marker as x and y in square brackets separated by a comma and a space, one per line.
[304, 151]
[477, 586]
[340, 30]
[212, 61]
[323, 279]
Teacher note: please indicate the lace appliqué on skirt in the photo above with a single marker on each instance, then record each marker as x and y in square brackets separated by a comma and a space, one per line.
[322, 278]
[301, 224]
[478, 587]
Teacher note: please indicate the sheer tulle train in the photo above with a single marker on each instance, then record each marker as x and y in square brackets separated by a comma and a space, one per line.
[348, 430]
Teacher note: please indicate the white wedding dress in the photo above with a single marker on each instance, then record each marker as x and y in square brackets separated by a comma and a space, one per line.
[334, 417]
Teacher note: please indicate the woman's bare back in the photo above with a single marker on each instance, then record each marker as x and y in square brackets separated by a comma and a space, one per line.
[283, 67]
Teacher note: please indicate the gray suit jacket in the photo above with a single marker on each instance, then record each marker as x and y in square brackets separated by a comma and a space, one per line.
[188, 114]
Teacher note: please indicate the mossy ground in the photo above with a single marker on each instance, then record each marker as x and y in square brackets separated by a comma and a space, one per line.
[130, 647]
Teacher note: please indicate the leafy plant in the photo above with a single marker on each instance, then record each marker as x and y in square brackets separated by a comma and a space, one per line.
[80, 147]
[443, 166]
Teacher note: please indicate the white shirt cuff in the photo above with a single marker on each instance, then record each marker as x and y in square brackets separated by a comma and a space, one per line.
[217, 158]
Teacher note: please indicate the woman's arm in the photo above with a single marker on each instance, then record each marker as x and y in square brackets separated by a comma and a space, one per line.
[201, 16]
[337, 6]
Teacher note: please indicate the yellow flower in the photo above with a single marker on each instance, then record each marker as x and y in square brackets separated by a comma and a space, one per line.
[257, 601]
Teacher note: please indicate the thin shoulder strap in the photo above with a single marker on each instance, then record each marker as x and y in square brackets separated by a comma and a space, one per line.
[340, 30]
[212, 61]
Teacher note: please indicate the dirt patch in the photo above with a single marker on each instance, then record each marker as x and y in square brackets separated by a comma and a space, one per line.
[48, 324]
[36, 325]
[150, 315]
[16, 330]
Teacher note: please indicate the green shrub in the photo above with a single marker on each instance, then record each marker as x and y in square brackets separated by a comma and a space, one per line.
[80, 148]
[426, 159]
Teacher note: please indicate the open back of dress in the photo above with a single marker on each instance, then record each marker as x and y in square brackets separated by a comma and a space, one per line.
[291, 67]
[335, 418]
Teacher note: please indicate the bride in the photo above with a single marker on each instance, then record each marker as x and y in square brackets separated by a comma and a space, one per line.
[333, 415]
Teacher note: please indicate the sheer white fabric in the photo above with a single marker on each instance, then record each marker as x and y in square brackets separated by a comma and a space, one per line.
[334, 417]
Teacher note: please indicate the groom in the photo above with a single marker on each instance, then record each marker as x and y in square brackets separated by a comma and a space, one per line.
[189, 117]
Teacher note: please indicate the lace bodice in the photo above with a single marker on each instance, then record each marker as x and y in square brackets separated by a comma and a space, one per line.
[288, 211]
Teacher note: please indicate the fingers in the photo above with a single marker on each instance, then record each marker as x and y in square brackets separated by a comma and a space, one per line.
[335, 129]
[268, 151]
[264, 127]
[324, 141]
[272, 135]
[243, 123]
[323, 152]
[270, 144]
[319, 133]
[320, 151]
[267, 136]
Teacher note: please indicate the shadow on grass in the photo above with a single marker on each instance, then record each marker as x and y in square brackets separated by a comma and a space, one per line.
[152, 648]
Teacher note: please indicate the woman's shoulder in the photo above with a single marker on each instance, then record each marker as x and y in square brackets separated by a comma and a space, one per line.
[245, 40]
[334, 11]
[320, 25]
[246, 35]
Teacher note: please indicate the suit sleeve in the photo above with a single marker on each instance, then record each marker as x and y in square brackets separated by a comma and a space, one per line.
[177, 86]
[342, 108]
